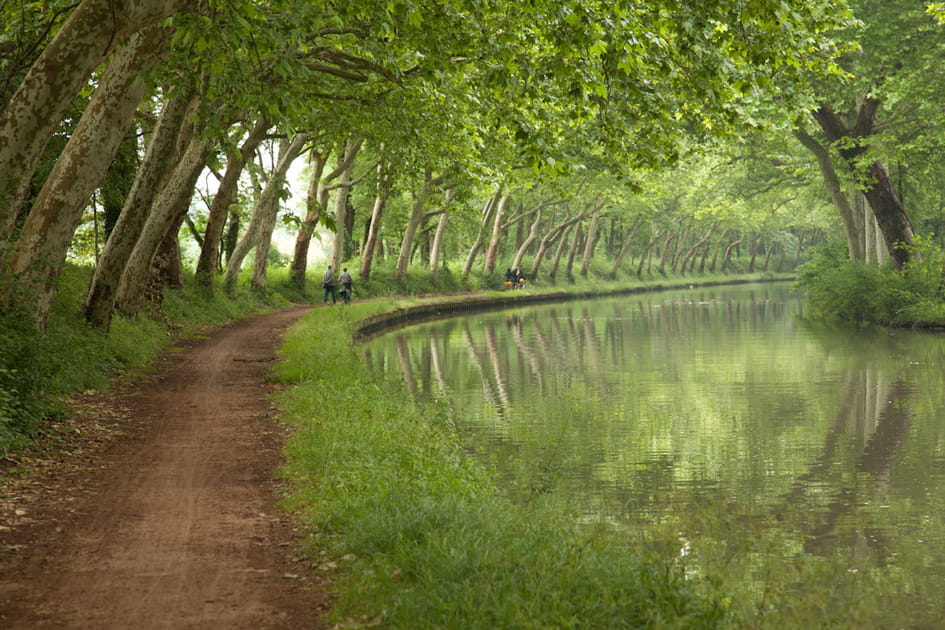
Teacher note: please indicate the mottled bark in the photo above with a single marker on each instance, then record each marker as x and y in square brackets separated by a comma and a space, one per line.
[158, 158]
[559, 252]
[223, 199]
[875, 184]
[436, 249]
[492, 250]
[342, 234]
[572, 253]
[487, 212]
[266, 204]
[37, 258]
[413, 223]
[288, 152]
[853, 227]
[165, 213]
[315, 201]
[384, 179]
[625, 248]
[591, 238]
[94, 30]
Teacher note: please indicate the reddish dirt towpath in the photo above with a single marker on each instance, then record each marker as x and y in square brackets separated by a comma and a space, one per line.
[174, 524]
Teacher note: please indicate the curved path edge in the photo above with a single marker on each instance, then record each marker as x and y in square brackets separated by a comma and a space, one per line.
[174, 522]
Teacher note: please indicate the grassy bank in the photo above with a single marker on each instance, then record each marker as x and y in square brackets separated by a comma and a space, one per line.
[420, 537]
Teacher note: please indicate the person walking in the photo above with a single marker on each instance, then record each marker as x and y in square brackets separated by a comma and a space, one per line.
[328, 283]
[347, 282]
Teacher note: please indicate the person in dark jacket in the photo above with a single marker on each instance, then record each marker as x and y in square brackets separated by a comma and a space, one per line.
[347, 283]
[328, 283]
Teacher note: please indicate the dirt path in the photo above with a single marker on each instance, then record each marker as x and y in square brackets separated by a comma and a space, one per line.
[173, 522]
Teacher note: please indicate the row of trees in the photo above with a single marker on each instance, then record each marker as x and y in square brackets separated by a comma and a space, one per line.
[470, 131]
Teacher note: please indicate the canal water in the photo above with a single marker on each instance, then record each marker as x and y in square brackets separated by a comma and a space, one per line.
[796, 459]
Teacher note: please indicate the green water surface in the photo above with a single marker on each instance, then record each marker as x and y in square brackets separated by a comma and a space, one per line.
[802, 465]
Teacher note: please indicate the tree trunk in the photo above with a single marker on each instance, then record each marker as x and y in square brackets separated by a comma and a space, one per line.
[625, 248]
[220, 207]
[666, 241]
[342, 226]
[591, 238]
[413, 224]
[681, 247]
[166, 269]
[559, 252]
[645, 255]
[94, 30]
[266, 203]
[852, 222]
[575, 245]
[289, 150]
[694, 250]
[876, 184]
[437, 249]
[313, 213]
[100, 300]
[492, 251]
[728, 252]
[384, 179]
[487, 214]
[528, 240]
[38, 257]
[179, 187]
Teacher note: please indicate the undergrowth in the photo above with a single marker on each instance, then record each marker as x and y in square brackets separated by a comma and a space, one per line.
[836, 287]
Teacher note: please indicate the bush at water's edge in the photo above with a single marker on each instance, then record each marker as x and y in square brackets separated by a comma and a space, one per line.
[836, 287]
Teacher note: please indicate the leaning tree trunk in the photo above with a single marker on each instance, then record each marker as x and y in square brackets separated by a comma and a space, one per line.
[559, 232]
[851, 220]
[289, 150]
[559, 252]
[266, 203]
[179, 187]
[876, 184]
[575, 245]
[591, 239]
[342, 235]
[100, 300]
[528, 240]
[413, 224]
[487, 213]
[694, 250]
[316, 199]
[384, 179]
[38, 257]
[436, 250]
[728, 252]
[492, 251]
[220, 207]
[625, 248]
[94, 30]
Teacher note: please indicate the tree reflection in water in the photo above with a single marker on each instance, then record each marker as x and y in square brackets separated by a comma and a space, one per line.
[715, 413]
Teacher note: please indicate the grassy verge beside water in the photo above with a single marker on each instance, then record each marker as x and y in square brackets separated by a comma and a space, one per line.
[422, 537]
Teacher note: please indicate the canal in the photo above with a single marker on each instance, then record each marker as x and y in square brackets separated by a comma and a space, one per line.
[800, 464]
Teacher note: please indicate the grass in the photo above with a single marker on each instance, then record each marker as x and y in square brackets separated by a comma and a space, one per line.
[422, 535]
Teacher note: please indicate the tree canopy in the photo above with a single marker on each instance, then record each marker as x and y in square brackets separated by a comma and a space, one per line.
[535, 131]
